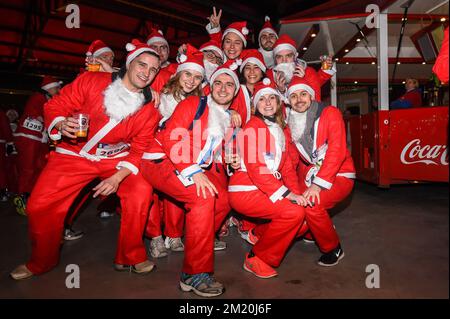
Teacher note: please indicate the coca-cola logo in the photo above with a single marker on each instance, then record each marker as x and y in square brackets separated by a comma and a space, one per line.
[414, 153]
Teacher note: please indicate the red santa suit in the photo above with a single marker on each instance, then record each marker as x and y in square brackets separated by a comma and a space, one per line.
[328, 164]
[31, 142]
[120, 127]
[259, 188]
[188, 153]
[440, 67]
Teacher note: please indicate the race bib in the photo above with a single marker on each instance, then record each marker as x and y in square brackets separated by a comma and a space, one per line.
[110, 150]
[33, 124]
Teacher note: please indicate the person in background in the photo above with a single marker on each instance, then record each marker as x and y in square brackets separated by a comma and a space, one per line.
[412, 97]
[267, 38]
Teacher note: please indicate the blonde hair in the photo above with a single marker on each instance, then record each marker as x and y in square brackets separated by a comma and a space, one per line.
[174, 88]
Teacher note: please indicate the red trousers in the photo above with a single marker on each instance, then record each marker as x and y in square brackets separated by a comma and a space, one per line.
[165, 211]
[58, 185]
[317, 218]
[31, 159]
[285, 221]
[203, 217]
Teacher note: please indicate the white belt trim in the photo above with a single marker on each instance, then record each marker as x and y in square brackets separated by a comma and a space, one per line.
[242, 188]
[31, 137]
[91, 157]
[153, 156]
[348, 175]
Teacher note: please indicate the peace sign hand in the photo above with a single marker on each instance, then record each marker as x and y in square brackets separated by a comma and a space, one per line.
[214, 19]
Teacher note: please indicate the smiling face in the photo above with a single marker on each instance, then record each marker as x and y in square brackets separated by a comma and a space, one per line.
[141, 72]
[223, 89]
[267, 104]
[232, 45]
[300, 101]
[252, 73]
[267, 40]
[190, 80]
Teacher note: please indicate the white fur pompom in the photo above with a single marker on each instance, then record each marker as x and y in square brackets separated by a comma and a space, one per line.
[244, 31]
[183, 58]
[233, 66]
[266, 81]
[266, 18]
[130, 47]
[238, 61]
[88, 53]
[160, 32]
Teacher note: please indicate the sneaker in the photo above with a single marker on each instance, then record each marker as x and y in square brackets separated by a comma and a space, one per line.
[174, 244]
[21, 272]
[202, 284]
[70, 234]
[142, 268]
[258, 267]
[308, 239]
[157, 248]
[224, 231]
[332, 258]
[233, 221]
[21, 205]
[105, 214]
[219, 245]
[249, 237]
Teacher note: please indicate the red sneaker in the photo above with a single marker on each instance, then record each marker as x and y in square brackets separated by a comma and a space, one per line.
[258, 267]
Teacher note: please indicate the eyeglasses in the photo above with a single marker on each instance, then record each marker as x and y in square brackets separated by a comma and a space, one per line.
[211, 56]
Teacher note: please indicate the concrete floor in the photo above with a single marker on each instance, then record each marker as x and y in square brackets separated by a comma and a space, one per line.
[403, 230]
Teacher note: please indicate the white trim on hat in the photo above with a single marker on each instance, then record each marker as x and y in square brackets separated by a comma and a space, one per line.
[157, 39]
[301, 86]
[263, 91]
[239, 33]
[230, 73]
[133, 55]
[254, 61]
[51, 85]
[284, 46]
[212, 48]
[191, 66]
[270, 30]
[102, 50]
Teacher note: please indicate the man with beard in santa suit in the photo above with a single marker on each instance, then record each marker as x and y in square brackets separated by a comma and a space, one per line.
[267, 38]
[121, 122]
[192, 173]
[326, 169]
[31, 141]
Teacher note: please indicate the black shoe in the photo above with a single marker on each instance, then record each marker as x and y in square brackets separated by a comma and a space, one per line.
[105, 214]
[70, 234]
[332, 258]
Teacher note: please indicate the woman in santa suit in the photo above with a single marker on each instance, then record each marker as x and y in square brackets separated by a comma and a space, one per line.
[326, 169]
[266, 184]
[186, 82]
[122, 120]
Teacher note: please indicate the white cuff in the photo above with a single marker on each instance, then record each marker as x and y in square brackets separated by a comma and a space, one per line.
[322, 183]
[212, 30]
[189, 171]
[128, 165]
[56, 136]
[332, 71]
[278, 194]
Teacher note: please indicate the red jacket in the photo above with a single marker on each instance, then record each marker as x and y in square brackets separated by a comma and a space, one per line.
[129, 138]
[161, 79]
[264, 164]
[440, 67]
[332, 156]
[31, 123]
[242, 104]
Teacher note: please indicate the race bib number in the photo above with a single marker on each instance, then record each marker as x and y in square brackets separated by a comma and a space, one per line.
[33, 124]
[110, 150]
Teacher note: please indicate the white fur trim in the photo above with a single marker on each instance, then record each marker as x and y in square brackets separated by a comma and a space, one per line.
[322, 183]
[237, 32]
[183, 58]
[212, 30]
[284, 46]
[153, 156]
[56, 136]
[119, 102]
[213, 48]
[167, 106]
[253, 60]
[218, 119]
[297, 124]
[304, 87]
[244, 31]
[264, 91]
[242, 188]
[133, 55]
[191, 66]
[130, 47]
[191, 170]
[51, 85]
[268, 58]
[157, 39]
[131, 167]
[266, 18]
[102, 50]
[266, 81]
[278, 194]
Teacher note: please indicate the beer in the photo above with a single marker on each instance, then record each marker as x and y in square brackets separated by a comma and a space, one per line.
[83, 124]
[325, 64]
[94, 67]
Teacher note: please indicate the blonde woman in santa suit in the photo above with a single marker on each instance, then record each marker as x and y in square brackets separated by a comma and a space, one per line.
[266, 185]
[166, 211]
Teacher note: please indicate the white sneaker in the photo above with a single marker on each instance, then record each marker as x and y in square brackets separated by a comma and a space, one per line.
[157, 248]
[219, 245]
[174, 244]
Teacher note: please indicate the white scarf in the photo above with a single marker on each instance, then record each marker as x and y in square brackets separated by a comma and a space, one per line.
[119, 102]
[297, 124]
[167, 106]
[268, 57]
[218, 119]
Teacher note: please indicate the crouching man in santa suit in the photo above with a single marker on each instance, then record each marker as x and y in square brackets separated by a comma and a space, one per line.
[121, 122]
[192, 141]
[326, 167]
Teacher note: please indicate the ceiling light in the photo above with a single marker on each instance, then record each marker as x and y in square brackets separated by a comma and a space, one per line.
[313, 35]
[403, 82]
[398, 62]
[356, 82]
[443, 19]
[346, 50]
[373, 62]
[357, 40]
[424, 62]
[337, 59]
[305, 48]
[347, 62]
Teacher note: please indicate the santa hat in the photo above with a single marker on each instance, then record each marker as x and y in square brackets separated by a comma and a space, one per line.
[191, 60]
[212, 45]
[97, 48]
[240, 29]
[135, 48]
[156, 36]
[267, 27]
[262, 88]
[298, 83]
[284, 42]
[253, 56]
[49, 82]
[230, 67]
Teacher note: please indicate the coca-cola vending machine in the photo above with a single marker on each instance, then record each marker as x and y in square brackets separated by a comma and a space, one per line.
[401, 146]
